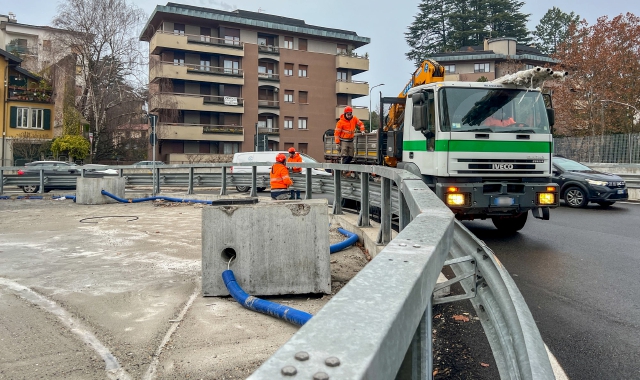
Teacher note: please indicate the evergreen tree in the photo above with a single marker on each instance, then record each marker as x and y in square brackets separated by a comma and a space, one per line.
[505, 20]
[552, 29]
[427, 33]
[468, 21]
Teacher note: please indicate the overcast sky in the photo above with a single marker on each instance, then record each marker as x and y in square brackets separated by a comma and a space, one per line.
[384, 22]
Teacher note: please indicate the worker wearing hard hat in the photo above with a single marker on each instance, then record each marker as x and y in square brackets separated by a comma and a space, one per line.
[279, 178]
[294, 157]
[345, 133]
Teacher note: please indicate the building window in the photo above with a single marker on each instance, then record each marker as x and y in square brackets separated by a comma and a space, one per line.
[303, 147]
[449, 69]
[23, 118]
[342, 75]
[232, 36]
[288, 122]
[302, 44]
[288, 96]
[230, 147]
[288, 42]
[37, 118]
[178, 29]
[481, 68]
[46, 45]
[303, 97]
[178, 59]
[205, 65]
[302, 71]
[342, 49]
[231, 67]
[288, 69]
[205, 34]
[302, 123]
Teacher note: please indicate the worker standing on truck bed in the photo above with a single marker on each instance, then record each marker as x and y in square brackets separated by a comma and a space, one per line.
[345, 133]
[279, 178]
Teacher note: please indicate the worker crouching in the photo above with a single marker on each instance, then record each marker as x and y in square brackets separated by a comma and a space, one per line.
[279, 179]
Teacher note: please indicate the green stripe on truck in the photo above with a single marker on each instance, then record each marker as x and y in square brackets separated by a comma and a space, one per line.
[481, 146]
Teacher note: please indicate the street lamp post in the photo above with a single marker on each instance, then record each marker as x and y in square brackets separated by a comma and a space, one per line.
[381, 84]
[632, 119]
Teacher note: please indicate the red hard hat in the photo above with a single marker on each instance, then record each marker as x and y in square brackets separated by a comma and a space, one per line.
[348, 109]
[281, 157]
[292, 150]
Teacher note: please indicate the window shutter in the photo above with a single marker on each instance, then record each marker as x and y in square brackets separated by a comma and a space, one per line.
[13, 117]
[46, 125]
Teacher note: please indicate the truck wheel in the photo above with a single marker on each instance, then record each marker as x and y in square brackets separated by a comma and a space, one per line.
[510, 224]
[261, 188]
[243, 189]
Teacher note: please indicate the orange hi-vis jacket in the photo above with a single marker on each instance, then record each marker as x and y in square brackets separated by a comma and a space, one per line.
[279, 177]
[296, 158]
[346, 129]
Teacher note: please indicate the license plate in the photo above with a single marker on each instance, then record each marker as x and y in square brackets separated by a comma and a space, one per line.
[503, 201]
[620, 191]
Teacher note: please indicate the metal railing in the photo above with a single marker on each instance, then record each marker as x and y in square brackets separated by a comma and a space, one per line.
[379, 325]
[616, 149]
[204, 39]
[204, 69]
[206, 128]
[215, 99]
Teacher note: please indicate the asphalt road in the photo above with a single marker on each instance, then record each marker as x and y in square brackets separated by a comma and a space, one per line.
[578, 273]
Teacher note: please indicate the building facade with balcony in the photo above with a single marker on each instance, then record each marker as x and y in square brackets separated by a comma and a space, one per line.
[221, 80]
[491, 60]
[26, 112]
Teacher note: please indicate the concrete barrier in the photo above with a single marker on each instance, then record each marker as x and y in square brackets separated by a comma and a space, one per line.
[280, 247]
[88, 190]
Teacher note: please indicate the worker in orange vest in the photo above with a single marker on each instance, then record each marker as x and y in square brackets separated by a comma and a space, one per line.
[279, 178]
[294, 157]
[345, 133]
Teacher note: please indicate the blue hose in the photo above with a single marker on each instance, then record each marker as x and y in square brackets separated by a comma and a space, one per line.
[294, 316]
[351, 240]
[137, 200]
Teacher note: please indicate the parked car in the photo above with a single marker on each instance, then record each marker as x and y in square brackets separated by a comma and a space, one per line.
[247, 157]
[51, 168]
[579, 184]
[59, 168]
[146, 164]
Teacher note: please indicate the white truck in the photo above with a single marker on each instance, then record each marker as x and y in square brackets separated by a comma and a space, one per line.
[483, 147]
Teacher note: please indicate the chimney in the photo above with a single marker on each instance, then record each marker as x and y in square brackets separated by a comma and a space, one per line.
[486, 43]
[12, 17]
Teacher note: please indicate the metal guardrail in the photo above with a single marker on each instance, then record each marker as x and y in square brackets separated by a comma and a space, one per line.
[379, 325]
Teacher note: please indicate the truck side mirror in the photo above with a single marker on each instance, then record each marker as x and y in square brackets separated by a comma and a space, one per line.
[551, 115]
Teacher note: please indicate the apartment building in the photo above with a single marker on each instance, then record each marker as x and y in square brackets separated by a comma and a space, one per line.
[490, 60]
[25, 110]
[221, 80]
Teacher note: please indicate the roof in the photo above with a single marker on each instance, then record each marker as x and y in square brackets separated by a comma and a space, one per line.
[10, 57]
[523, 52]
[27, 73]
[252, 19]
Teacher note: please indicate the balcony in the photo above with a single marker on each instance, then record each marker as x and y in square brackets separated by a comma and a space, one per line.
[196, 43]
[353, 62]
[269, 77]
[269, 49]
[20, 93]
[355, 88]
[360, 112]
[268, 131]
[200, 132]
[269, 103]
[197, 102]
[196, 73]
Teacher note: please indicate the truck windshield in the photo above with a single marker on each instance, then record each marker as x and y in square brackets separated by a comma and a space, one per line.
[498, 110]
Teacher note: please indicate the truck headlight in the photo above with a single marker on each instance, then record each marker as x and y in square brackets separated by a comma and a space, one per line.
[456, 199]
[546, 198]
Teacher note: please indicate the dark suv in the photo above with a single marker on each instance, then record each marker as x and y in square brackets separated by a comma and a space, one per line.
[580, 184]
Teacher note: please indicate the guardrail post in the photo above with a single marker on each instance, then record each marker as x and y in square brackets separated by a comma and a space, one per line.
[223, 185]
[41, 189]
[120, 172]
[337, 192]
[418, 361]
[1, 181]
[254, 190]
[308, 184]
[156, 185]
[384, 235]
[405, 213]
[364, 220]
[190, 189]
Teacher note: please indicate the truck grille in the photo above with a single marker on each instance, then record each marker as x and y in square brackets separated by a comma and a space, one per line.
[499, 166]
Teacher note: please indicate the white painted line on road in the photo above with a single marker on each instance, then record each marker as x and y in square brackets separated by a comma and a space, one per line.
[557, 369]
[151, 371]
[114, 371]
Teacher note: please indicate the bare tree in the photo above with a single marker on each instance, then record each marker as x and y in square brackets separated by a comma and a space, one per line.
[103, 34]
[28, 146]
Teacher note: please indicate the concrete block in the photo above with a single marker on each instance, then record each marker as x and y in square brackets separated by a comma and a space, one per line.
[88, 190]
[280, 247]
